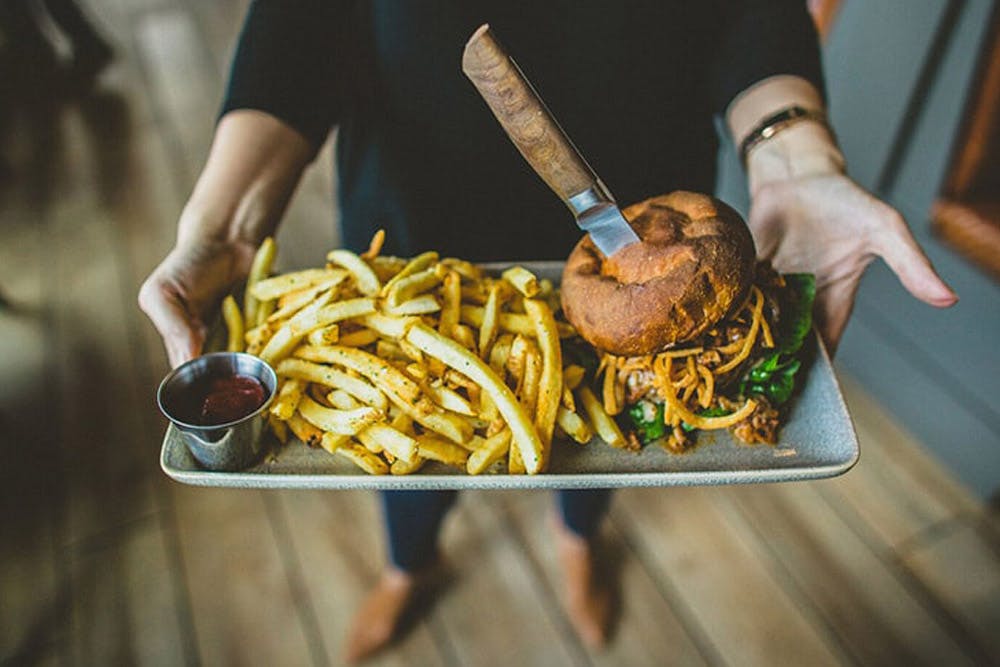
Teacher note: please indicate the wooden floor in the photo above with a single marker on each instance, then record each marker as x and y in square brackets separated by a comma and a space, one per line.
[104, 561]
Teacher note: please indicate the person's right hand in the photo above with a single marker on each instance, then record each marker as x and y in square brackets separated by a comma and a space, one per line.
[187, 285]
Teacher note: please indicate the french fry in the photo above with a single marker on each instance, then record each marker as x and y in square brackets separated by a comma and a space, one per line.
[304, 431]
[263, 259]
[567, 400]
[278, 428]
[389, 350]
[603, 424]
[345, 422]
[331, 377]
[234, 324]
[523, 280]
[332, 442]
[264, 311]
[401, 467]
[294, 330]
[463, 335]
[473, 294]
[411, 286]
[523, 431]
[491, 316]
[449, 399]
[467, 270]
[437, 449]
[389, 326]
[419, 263]
[382, 374]
[573, 425]
[293, 302]
[451, 301]
[418, 372]
[411, 352]
[278, 286]
[516, 360]
[432, 418]
[500, 353]
[292, 333]
[420, 305]
[364, 277]
[527, 387]
[287, 400]
[573, 375]
[613, 391]
[386, 266]
[386, 437]
[364, 459]
[549, 391]
[341, 400]
[492, 450]
[328, 335]
[374, 246]
[515, 464]
[359, 338]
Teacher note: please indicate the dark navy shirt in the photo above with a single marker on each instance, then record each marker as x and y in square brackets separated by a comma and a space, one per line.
[635, 84]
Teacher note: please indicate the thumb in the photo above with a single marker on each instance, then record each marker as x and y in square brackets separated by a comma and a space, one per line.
[907, 260]
[183, 334]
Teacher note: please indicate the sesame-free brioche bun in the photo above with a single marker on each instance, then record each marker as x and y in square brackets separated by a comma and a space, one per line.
[693, 265]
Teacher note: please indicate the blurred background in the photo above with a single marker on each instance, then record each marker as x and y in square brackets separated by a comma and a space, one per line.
[106, 115]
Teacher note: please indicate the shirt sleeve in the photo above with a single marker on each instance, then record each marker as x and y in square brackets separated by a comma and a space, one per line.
[287, 63]
[763, 38]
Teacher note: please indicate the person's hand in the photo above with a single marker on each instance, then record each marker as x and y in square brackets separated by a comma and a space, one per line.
[187, 285]
[827, 225]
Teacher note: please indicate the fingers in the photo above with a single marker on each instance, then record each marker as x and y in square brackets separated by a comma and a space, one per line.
[183, 335]
[906, 259]
[834, 303]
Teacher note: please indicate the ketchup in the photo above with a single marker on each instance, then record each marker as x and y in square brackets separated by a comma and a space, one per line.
[224, 399]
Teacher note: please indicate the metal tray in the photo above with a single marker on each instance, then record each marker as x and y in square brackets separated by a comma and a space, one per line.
[817, 441]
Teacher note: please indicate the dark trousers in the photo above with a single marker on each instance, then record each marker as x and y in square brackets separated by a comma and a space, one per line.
[413, 520]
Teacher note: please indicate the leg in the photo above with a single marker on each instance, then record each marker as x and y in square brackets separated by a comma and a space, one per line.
[413, 521]
[588, 602]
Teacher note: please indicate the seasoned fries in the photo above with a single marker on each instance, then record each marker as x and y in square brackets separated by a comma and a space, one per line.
[391, 363]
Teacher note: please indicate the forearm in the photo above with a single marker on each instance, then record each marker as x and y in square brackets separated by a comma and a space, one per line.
[252, 170]
[804, 148]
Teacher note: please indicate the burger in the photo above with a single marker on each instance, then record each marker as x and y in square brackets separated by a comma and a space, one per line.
[692, 332]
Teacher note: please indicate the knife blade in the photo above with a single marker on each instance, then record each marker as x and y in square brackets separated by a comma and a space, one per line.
[543, 143]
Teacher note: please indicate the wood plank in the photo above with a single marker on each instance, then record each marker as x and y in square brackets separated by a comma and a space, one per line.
[897, 490]
[727, 586]
[496, 611]
[123, 606]
[32, 624]
[337, 537]
[646, 631]
[868, 605]
[961, 566]
[107, 476]
[183, 82]
[242, 605]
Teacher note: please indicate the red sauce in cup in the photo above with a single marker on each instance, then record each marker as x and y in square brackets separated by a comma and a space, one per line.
[224, 399]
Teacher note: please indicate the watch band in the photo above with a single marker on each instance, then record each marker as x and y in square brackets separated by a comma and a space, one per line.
[774, 124]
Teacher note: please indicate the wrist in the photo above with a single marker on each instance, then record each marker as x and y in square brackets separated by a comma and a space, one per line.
[801, 150]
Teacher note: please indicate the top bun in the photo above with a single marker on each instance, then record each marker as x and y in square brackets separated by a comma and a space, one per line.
[694, 264]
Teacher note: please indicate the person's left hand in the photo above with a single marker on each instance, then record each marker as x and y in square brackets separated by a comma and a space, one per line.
[828, 225]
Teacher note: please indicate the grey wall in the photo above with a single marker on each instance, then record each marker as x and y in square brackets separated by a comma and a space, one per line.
[938, 372]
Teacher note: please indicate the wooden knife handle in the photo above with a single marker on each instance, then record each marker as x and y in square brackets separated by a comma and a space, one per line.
[524, 116]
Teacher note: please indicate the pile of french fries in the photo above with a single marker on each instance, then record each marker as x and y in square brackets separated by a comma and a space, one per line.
[391, 363]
